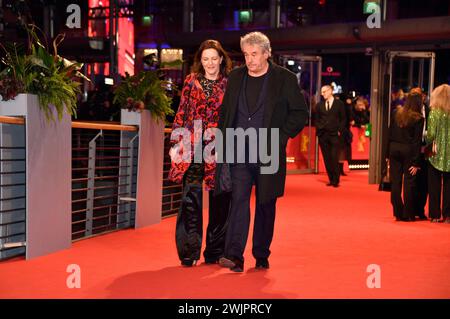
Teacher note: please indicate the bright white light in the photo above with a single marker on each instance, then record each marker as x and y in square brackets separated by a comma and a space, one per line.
[291, 62]
[129, 58]
[109, 81]
[337, 89]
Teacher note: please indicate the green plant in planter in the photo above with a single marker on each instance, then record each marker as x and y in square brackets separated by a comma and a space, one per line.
[144, 90]
[41, 72]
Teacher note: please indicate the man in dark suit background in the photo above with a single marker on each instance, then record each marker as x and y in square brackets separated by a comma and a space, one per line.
[259, 95]
[330, 123]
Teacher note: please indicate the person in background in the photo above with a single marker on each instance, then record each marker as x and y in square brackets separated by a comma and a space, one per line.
[345, 140]
[361, 118]
[405, 140]
[330, 124]
[201, 99]
[397, 98]
[438, 132]
[422, 173]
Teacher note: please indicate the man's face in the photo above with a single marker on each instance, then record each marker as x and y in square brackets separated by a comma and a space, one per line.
[255, 58]
[326, 92]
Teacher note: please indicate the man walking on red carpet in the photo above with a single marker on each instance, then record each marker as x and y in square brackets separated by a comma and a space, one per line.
[259, 96]
[330, 123]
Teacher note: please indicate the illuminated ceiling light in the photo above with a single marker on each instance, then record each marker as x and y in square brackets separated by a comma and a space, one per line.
[245, 16]
[147, 20]
[150, 51]
[369, 5]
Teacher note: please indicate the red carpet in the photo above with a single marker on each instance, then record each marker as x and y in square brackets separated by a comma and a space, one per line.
[324, 240]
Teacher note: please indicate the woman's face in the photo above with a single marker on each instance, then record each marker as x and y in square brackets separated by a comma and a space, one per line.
[211, 63]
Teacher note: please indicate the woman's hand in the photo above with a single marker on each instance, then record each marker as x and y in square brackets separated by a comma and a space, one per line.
[413, 170]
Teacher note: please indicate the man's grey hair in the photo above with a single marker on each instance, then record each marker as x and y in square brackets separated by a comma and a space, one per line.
[257, 38]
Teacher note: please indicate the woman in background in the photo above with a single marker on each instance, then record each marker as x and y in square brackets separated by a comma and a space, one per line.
[405, 137]
[360, 118]
[438, 132]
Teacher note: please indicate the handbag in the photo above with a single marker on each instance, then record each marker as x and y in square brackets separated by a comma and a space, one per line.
[385, 185]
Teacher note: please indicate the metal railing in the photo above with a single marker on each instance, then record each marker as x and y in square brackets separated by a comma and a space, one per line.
[104, 169]
[104, 175]
[12, 187]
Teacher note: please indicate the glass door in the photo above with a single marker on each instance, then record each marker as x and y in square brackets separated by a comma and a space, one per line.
[407, 70]
[302, 151]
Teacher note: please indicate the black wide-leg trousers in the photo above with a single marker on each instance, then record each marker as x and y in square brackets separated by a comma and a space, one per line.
[189, 226]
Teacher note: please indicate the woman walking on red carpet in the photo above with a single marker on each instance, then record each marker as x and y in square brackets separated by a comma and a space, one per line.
[405, 141]
[438, 132]
[201, 99]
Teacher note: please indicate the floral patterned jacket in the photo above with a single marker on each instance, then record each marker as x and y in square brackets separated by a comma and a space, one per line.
[194, 106]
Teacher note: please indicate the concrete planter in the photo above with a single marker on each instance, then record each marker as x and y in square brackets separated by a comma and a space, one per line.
[48, 175]
[149, 165]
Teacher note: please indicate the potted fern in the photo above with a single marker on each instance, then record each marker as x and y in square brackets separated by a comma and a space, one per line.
[39, 85]
[143, 91]
[41, 72]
